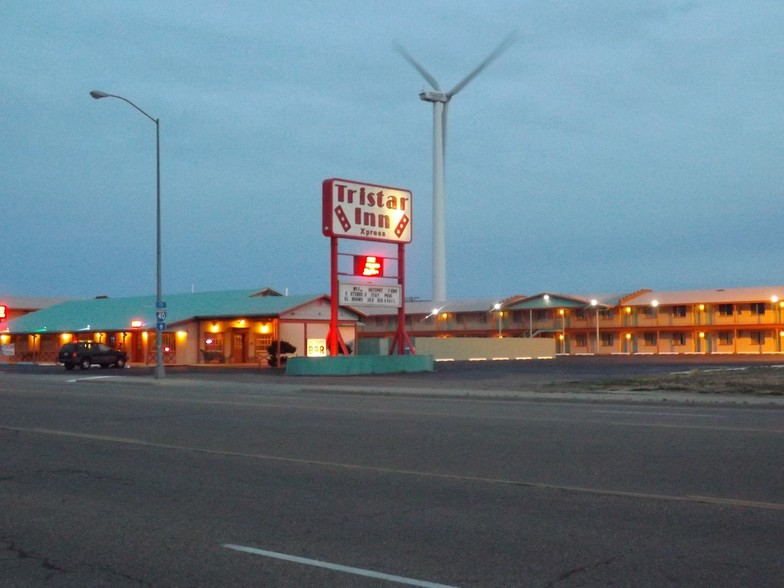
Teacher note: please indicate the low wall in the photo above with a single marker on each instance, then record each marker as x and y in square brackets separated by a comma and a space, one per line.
[474, 348]
[351, 365]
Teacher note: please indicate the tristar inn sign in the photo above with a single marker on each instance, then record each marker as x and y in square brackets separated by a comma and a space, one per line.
[351, 210]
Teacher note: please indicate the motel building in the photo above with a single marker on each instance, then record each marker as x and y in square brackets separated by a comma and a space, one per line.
[645, 322]
[228, 327]
[237, 327]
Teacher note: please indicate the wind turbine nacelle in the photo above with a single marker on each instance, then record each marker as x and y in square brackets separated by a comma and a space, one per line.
[431, 96]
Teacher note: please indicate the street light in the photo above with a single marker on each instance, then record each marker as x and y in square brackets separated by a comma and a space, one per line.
[499, 314]
[595, 304]
[160, 306]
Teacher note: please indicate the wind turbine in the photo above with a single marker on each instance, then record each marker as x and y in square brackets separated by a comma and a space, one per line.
[440, 102]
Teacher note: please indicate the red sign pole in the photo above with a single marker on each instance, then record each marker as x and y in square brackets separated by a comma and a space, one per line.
[334, 338]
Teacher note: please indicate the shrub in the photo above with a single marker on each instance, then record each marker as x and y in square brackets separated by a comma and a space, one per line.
[272, 350]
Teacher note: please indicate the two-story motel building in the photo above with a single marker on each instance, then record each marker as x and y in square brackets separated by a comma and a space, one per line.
[731, 320]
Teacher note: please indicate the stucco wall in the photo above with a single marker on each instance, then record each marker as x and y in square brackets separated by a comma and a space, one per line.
[467, 348]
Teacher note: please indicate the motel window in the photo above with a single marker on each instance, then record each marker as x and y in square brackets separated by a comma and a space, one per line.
[213, 342]
[649, 312]
[725, 338]
[380, 321]
[679, 338]
[540, 315]
[169, 341]
[726, 309]
[483, 318]
[608, 339]
[757, 337]
[679, 311]
[650, 339]
[579, 314]
[50, 343]
[581, 340]
[460, 318]
[263, 341]
[758, 308]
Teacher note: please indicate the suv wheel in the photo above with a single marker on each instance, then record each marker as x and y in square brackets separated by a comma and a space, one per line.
[85, 363]
[120, 363]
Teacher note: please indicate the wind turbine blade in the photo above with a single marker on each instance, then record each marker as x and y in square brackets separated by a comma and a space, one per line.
[488, 60]
[417, 66]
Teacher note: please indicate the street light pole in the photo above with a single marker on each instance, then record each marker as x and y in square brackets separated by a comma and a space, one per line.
[563, 331]
[595, 304]
[160, 306]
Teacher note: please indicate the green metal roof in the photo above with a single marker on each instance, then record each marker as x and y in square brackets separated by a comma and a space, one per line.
[116, 314]
[539, 302]
[544, 300]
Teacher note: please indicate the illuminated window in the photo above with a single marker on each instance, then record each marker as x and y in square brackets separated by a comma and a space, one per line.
[169, 342]
[214, 342]
[262, 345]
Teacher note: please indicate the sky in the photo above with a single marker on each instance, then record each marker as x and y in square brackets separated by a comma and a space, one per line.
[615, 145]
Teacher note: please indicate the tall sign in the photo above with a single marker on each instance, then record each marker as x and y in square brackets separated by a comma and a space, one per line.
[367, 212]
[354, 210]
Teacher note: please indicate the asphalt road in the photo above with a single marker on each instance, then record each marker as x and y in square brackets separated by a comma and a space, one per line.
[239, 479]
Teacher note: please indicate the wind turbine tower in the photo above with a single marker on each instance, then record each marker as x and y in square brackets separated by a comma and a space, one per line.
[440, 102]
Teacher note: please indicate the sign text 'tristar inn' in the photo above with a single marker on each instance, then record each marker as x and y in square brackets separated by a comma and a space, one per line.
[355, 210]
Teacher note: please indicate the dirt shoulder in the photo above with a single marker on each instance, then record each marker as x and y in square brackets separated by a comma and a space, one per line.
[762, 381]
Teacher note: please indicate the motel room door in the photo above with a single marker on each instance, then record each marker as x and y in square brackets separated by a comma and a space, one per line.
[239, 341]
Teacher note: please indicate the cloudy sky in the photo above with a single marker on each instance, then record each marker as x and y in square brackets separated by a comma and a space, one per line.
[616, 145]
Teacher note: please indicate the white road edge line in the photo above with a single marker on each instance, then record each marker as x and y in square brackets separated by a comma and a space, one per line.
[672, 414]
[335, 567]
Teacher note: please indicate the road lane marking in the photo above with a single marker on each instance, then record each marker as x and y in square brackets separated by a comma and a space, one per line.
[336, 567]
[88, 378]
[403, 472]
[673, 414]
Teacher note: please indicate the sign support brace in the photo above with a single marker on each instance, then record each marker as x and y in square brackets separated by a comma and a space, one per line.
[335, 341]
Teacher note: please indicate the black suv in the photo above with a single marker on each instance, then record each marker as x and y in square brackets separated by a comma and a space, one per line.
[86, 353]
